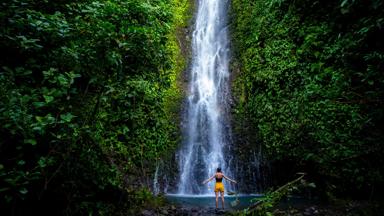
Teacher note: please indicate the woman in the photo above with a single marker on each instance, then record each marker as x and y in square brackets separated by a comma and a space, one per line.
[219, 187]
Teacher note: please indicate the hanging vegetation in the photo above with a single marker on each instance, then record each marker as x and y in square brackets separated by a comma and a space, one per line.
[311, 88]
[87, 102]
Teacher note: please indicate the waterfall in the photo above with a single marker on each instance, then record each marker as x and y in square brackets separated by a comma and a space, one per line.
[207, 132]
[156, 187]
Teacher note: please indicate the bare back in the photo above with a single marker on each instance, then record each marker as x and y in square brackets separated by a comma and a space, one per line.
[219, 176]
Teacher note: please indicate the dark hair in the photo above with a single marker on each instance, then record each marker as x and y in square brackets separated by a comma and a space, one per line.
[218, 169]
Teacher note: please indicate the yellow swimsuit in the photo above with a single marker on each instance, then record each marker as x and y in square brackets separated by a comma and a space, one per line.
[219, 187]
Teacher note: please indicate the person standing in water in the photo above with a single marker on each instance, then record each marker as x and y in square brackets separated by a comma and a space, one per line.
[219, 187]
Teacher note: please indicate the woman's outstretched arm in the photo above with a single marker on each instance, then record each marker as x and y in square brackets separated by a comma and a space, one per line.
[208, 180]
[229, 179]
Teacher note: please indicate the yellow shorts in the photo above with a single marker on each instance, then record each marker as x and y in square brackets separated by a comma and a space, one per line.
[219, 187]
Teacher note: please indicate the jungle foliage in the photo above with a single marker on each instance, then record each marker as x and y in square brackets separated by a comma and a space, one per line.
[88, 100]
[310, 88]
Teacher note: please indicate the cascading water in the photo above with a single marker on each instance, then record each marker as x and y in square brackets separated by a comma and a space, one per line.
[207, 133]
[156, 187]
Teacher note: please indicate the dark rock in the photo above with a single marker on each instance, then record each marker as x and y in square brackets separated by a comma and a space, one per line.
[194, 210]
[310, 211]
[147, 213]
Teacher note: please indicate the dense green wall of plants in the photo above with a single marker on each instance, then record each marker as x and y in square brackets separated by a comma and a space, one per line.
[88, 100]
[310, 88]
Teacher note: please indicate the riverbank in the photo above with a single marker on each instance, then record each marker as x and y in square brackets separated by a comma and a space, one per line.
[184, 211]
[340, 208]
[309, 208]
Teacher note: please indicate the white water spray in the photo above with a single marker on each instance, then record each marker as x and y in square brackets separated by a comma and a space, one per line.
[156, 186]
[207, 134]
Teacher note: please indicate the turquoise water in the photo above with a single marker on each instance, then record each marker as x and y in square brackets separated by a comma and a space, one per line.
[208, 201]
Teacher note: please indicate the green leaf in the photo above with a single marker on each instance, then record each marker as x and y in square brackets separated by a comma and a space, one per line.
[39, 118]
[30, 141]
[48, 98]
[344, 3]
[23, 191]
[67, 117]
[42, 162]
[63, 80]
[39, 104]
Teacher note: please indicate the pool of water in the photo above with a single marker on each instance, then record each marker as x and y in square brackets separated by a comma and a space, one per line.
[208, 201]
